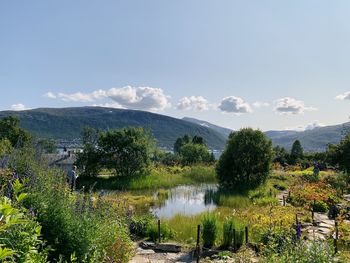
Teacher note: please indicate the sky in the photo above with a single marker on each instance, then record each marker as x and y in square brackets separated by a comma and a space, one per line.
[271, 65]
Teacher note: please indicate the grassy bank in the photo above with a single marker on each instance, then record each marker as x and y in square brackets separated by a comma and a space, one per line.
[158, 177]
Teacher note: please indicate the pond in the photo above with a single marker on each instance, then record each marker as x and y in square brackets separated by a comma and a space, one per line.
[185, 199]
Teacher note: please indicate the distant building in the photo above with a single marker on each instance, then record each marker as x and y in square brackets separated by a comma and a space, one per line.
[64, 161]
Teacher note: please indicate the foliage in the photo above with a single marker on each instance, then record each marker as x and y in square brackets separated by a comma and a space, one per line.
[194, 153]
[246, 161]
[166, 232]
[10, 129]
[20, 234]
[139, 225]
[297, 152]
[5, 147]
[160, 177]
[73, 224]
[209, 230]
[280, 155]
[46, 146]
[305, 194]
[126, 152]
[303, 252]
[340, 154]
[181, 142]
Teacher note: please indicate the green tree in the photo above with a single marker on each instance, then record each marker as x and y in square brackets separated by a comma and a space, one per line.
[297, 152]
[181, 142]
[280, 155]
[127, 151]
[5, 147]
[194, 153]
[246, 161]
[46, 146]
[89, 161]
[11, 130]
[340, 154]
[198, 140]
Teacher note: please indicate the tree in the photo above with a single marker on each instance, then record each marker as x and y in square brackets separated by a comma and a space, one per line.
[198, 140]
[280, 155]
[46, 146]
[246, 161]
[341, 154]
[126, 151]
[297, 153]
[194, 153]
[89, 161]
[181, 142]
[11, 130]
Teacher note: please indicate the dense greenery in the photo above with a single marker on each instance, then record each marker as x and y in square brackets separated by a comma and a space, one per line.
[246, 161]
[192, 151]
[126, 152]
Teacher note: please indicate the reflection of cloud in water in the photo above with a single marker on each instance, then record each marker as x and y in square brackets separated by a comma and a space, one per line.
[188, 200]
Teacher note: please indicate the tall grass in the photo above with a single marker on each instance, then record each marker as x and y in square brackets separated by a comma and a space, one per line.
[160, 177]
[209, 230]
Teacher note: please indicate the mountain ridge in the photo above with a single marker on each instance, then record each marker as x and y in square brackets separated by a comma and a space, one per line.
[68, 123]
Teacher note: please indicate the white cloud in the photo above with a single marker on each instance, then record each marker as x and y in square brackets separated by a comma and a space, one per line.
[18, 107]
[142, 98]
[289, 105]
[307, 127]
[109, 105]
[194, 102]
[50, 95]
[261, 104]
[234, 104]
[344, 96]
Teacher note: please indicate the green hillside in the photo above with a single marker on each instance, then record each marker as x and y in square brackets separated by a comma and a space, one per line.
[67, 123]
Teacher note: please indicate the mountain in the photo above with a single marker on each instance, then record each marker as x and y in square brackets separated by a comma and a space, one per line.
[68, 123]
[312, 140]
[222, 130]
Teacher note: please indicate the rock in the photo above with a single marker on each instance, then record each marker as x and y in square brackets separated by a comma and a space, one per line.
[140, 251]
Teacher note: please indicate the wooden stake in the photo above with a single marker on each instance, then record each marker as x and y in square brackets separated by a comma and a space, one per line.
[158, 230]
[198, 246]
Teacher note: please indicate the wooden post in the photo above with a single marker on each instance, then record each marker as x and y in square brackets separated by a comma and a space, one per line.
[313, 215]
[234, 240]
[158, 230]
[198, 248]
[296, 219]
[284, 200]
[336, 238]
[246, 235]
[270, 192]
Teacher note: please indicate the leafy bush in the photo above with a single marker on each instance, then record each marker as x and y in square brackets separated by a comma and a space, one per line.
[319, 206]
[209, 230]
[20, 234]
[139, 225]
[246, 161]
[303, 252]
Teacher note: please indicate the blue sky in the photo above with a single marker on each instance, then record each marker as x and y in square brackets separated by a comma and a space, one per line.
[264, 64]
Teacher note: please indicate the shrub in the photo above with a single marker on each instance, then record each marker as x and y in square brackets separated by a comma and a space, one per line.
[210, 230]
[303, 252]
[140, 225]
[319, 206]
[246, 161]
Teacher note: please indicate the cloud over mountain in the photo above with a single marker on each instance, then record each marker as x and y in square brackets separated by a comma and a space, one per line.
[234, 104]
[194, 102]
[289, 105]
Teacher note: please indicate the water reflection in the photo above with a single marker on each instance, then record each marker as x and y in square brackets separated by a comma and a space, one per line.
[186, 200]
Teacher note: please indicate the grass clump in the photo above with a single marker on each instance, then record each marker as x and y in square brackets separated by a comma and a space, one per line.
[232, 231]
[209, 230]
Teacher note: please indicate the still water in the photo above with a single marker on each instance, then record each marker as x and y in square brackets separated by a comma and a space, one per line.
[186, 200]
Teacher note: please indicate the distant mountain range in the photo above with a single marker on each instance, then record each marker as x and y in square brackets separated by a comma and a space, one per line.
[312, 140]
[68, 123]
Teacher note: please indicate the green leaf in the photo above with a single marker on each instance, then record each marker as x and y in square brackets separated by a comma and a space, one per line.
[6, 253]
[21, 197]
